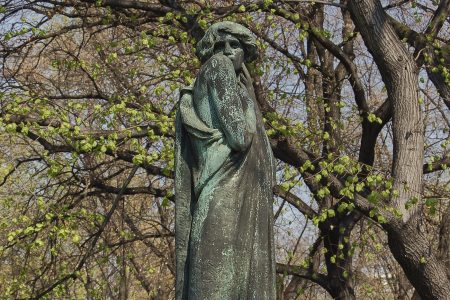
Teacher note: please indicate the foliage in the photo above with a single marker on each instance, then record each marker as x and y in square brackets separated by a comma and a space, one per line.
[88, 95]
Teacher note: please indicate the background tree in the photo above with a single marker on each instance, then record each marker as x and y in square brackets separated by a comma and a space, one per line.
[356, 99]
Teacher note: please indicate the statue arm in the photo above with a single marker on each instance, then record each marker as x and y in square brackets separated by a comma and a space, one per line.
[194, 125]
[227, 103]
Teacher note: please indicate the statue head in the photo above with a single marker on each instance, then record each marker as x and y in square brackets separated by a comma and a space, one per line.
[230, 39]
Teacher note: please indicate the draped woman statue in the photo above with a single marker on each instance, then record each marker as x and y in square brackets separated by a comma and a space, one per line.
[224, 174]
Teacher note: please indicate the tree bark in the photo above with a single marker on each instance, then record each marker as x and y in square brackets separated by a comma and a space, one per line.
[399, 72]
[337, 260]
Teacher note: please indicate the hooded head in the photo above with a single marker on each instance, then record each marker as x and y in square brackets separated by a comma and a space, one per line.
[228, 38]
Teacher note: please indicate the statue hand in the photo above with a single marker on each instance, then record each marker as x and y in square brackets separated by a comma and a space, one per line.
[247, 80]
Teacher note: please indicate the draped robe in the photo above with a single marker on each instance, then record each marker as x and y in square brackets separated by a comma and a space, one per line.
[224, 174]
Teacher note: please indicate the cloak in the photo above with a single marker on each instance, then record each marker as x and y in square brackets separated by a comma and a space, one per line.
[224, 174]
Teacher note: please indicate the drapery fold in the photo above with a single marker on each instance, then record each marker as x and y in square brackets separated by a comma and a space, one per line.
[223, 191]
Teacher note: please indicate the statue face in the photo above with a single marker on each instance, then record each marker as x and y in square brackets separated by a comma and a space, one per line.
[230, 46]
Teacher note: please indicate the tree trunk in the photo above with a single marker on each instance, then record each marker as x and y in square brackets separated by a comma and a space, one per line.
[336, 233]
[399, 72]
[425, 272]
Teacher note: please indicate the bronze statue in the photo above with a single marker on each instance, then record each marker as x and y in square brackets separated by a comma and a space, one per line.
[224, 177]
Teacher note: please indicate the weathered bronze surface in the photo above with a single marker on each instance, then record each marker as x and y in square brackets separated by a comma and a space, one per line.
[224, 177]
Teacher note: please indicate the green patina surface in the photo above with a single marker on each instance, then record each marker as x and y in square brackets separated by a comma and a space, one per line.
[224, 177]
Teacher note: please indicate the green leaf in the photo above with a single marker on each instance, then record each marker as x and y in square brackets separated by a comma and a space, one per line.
[331, 213]
[373, 197]
[381, 219]
[203, 24]
[333, 259]
[76, 238]
[138, 159]
[342, 207]
[345, 274]
[285, 186]
[430, 202]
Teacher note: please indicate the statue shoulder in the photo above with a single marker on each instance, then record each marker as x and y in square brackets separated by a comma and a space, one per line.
[189, 89]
